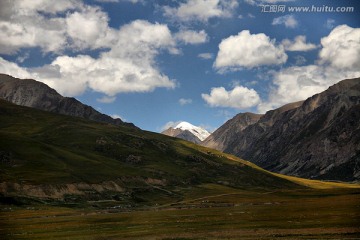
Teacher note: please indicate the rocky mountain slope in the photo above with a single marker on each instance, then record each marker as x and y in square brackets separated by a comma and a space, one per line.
[187, 131]
[234, 127]
[317, 138]
[54, 157]
[31, 93]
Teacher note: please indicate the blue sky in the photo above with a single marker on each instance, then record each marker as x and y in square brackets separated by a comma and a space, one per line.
[155, 63]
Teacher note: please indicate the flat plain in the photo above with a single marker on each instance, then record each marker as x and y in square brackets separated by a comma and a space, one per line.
[208, 212]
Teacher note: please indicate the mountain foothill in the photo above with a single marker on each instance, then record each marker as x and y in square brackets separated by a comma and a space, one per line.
[76, 150]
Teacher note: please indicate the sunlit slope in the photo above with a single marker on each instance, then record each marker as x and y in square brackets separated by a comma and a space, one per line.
[314, 184]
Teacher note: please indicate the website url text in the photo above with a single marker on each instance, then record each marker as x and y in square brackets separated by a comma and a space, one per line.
[307, 9]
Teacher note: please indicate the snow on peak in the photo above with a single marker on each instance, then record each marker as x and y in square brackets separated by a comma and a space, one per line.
[185, 126]
[199, 132]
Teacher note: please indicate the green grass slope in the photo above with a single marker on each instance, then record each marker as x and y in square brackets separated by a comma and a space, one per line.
[43, 149]
[51, 156]
[68, 178]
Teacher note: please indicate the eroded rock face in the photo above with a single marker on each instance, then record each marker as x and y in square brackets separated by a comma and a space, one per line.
[31, 93]
[317, 138]
[232, 129]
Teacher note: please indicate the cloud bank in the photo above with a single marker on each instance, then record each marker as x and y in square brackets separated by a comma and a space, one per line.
[126, 62]
[339, 58]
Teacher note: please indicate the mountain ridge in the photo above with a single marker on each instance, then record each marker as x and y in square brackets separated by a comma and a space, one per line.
[46, 155]
[316, 138]
[32, 93]
[220, 137]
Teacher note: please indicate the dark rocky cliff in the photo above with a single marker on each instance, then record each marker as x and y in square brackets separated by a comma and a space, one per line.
[232, 129]
[318, 138]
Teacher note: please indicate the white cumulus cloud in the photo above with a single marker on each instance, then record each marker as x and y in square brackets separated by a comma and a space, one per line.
[129, 66]
[89, 29]
[341, 48]
[53, 26]
[191, 37]
[298, 44]
[127, 58]
[249, 51]
[14, 35]
[201, 10]
[13, 69]
[239, 97]
[339, 59]
[298, 83]
[24, 25]
[53, 7]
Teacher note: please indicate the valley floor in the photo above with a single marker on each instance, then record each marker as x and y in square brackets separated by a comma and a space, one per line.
[220, 213]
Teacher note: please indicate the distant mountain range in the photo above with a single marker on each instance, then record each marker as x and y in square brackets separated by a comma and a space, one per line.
[31, 93]
[317, 138]
[187, 131]
[50, 157]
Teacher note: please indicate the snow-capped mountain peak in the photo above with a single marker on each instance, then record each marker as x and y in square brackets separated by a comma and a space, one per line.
[199, 132]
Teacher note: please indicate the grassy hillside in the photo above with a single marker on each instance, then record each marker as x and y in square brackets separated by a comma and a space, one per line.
[38, 147]
[53, 156]
[68, 178]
